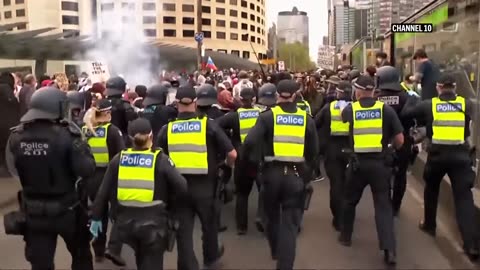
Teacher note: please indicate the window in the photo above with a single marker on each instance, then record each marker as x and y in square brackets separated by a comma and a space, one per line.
[252, 39]
[244, 15]
[233, 2]
[244, 3]
[206, 22]
[22, 27]
[169, 20]
[149, 6]
[244, 26]
[259, 30]
[236, 53]
[246, 55]
[19, 2]
[234, 25]
[169, 33]
[233, 13]
[263, 42]
[220, 11]
[20, 13]
[149, 19]
[222, 51]
[258, 40]
[258, 9]
[206, 9]
[6, 2]
[233, 36]
[107, 7]
[188, 33]
[260, 56]
[70, 20]
[150, 32]
[220, 1]
[221, 35]
[221, 23]
[252, 6]
[245, 37]
[127, 20]
[207, 34]
[252, 17]
[188, 20]
[188, 8]
[169, 7]
[252, 28]
[258, 19]
[70, 6]
[130, 6]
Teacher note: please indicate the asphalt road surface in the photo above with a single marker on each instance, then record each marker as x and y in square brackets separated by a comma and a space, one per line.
[317, 244]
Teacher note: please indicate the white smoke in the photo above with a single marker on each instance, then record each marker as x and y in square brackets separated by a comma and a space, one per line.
[122, 45]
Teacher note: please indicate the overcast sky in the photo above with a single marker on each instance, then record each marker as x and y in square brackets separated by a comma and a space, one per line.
[317, 15]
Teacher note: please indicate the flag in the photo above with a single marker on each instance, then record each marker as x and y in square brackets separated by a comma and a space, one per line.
[210, 64]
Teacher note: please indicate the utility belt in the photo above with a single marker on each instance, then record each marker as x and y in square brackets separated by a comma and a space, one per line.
[387, 156]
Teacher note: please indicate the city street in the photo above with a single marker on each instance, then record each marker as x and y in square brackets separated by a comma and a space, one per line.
[317, 244]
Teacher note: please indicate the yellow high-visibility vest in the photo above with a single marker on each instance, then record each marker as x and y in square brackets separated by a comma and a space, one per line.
[448, 121]
[288, 135]
[247, 119]
[98, 144]
[304, 105]
[187, 145]
[405, 86]
[337, 126]
[367, 128]
[136, 178]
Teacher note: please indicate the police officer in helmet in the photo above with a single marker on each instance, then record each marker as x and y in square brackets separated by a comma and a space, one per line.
[140, 181]
[390, 93]
[50, 156]
[267, 96]
[448, 119]
[373, 125]
[193, 142]
[154, 107]
[76, 105]
[290, 142]
[207, 101]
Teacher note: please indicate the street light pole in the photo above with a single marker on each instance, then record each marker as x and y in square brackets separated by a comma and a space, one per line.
[199, 29]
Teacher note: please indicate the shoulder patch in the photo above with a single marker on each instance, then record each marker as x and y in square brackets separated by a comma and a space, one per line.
[120, 133]
[171, 162]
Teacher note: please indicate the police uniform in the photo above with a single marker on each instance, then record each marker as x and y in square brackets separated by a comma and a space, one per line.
[304, 105]
[140, 182]
[372, 126]
[267, 96]
[76, 103]
[155, 110]
[105, 144]
[240, 122]
[193, 143]
[286, 140]
[49, 158]
[391, 94]
[447, 120]
[334, 139]
[207, 101]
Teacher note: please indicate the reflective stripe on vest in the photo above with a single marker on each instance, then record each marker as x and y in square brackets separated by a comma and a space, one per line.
[288, 135]
[136, 178]
[98, 144]
[367, 128]
[337, 126]
[448, 121]
[187, 145]
[247, 119]
[405, 86]
[304, 105]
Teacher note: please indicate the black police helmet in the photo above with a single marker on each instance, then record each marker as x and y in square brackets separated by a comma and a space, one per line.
[76, 100]
[116, 86]
[206, 95]
[46, 103]
[388, 78]
[156, 94]
[267, 94]
[353, 74]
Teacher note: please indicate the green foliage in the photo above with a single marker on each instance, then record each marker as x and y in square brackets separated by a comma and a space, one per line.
[295, 56]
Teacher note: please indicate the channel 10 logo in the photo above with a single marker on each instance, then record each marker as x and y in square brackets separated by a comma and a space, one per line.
[368, 114]
[137, 160]
[447, 107]
[290, 120]
[249, 114]
[187, 127]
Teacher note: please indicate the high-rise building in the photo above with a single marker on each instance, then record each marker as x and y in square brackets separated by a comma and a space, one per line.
[325, 41]
[292, 26]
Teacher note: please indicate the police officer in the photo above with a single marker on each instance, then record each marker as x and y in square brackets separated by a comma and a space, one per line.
[155, 110]
[240, 122]
[286, 139]
[122, 111]
[76, 104]
[390, 93]
[206, 99]
[50, 156]
[334, 139]
[140, 181]
[302, 103]
[353, 75]
[372, 126]
[106, 142]
[192, 142]
[447, 121]
[267, 96]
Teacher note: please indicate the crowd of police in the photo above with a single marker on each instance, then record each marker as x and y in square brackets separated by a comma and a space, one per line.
[150, 172]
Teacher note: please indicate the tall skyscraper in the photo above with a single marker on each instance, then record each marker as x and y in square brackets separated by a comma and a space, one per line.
[292, 26]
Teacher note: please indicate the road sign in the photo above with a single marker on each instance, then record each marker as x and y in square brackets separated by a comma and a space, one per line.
[281, 66]
[268, 61]
[199, 37]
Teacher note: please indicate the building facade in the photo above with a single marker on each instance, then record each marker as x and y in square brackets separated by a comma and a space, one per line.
[292, 27]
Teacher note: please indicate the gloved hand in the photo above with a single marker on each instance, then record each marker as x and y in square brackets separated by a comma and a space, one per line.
[95, 228]
[413, 93]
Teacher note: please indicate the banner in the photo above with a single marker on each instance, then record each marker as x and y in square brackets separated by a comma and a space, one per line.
[98, 72]
[326, 55]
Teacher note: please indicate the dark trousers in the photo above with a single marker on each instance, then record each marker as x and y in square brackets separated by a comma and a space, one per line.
[462, 178]
[335, 166]
[375, 173]
[283, 201]
[404, 156]
[206, 210]
[244, 179]
[40, 245]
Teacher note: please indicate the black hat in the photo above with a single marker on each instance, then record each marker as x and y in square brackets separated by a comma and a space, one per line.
[139, 126]
[206, 95]
[116, 86]
[364, 83]
[286, 88]
[344, 86]
[447, 80]
[267, 94]
[156, 94]
[104, 105]
[247, 93]
[186, 94]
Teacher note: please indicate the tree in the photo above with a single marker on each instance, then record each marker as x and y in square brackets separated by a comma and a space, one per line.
[295, 56]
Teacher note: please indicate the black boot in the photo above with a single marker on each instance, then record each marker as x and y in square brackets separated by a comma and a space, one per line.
[390, 257]
[426, 229]
[345, 240]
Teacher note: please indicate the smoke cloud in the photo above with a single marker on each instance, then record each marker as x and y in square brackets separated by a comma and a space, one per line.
[122, 45]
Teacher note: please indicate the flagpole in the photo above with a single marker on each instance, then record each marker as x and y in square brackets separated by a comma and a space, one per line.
[258, 61]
